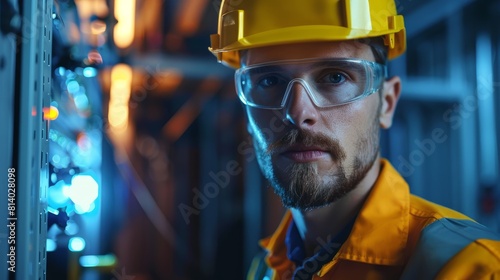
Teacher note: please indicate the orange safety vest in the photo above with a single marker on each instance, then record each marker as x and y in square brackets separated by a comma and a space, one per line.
[396, 235]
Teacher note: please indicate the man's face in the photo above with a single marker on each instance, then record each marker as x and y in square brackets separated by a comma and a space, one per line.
[313, 156]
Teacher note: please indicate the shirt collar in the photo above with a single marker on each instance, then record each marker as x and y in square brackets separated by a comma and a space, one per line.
[384, 216]
[295, 244]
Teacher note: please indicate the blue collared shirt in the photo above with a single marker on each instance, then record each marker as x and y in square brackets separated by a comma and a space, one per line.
[325, 252]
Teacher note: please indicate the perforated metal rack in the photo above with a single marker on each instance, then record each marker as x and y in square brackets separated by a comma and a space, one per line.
[25, 79]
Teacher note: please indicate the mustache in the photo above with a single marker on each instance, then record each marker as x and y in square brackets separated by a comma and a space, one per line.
[308, 139]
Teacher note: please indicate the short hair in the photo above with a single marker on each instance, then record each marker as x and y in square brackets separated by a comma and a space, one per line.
[379, 49]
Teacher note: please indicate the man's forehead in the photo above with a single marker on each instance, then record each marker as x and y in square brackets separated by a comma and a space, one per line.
[340, 49]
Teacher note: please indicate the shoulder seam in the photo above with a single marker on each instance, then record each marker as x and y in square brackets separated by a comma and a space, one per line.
[424, 214]
[487, 248]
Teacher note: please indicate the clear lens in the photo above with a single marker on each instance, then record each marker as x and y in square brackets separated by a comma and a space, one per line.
[329, 82]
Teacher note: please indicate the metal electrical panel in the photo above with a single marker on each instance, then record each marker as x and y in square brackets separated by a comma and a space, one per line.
[25, 78]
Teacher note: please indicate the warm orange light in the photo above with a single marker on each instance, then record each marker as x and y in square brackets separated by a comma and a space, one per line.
[101, 8]
[94, 57]
[189, 16]
[119, 96]
[91, 27]
[97, 27]
[50, 113]
[168, 80]
[84, 8]
[87, 8]
[124, 30]
[83, 141]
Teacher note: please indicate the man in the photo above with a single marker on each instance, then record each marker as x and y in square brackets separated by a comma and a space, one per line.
[317, 68]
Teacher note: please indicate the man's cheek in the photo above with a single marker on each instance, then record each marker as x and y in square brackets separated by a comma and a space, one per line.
[263, 135]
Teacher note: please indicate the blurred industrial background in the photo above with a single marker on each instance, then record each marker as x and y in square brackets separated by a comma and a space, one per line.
[130, 148]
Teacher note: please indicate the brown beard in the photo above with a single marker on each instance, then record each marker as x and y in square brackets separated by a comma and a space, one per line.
[305, 189]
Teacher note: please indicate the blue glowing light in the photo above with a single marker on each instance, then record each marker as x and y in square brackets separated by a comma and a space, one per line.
[57, 195]
[76, 244]
[108, 260]
[73, 86]
[84, 208]
[89, 261]
[56, 158]
[51, 245]
[83, 192]
[53, 178]
[71, 228]
[60, 71]
[89, 72]
[81, 102]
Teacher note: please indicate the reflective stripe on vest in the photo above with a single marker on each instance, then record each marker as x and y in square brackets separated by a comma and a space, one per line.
[440, 242]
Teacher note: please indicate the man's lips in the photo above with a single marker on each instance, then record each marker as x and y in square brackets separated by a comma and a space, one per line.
[304, 154]
[306, 146]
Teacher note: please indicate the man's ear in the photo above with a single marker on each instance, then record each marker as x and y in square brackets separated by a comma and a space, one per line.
[390, 97]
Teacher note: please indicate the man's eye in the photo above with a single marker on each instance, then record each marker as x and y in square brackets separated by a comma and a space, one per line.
[269, 81]
[333, 78]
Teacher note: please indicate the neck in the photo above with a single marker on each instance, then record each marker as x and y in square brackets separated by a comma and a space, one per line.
[317, 226]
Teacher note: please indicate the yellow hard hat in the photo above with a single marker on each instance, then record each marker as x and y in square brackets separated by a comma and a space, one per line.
[245, 24]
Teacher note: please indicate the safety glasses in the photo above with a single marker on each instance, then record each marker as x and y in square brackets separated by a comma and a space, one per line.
[328, 82]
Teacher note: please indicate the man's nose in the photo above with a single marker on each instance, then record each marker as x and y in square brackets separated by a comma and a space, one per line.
[300, 109]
